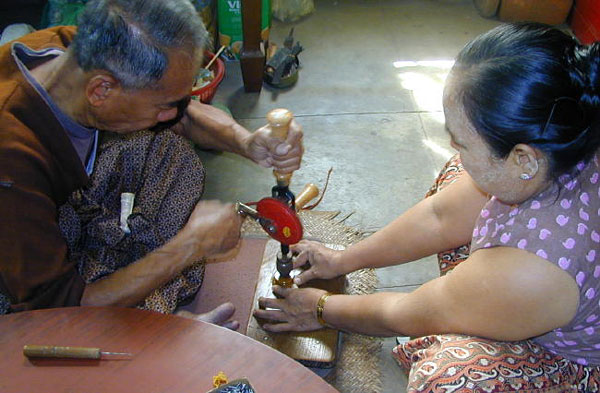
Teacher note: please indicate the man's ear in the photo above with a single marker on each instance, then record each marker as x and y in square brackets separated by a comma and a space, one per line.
[526, 158]
[100, 88]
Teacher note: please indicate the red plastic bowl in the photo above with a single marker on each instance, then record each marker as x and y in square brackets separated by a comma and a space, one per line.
[206, 93]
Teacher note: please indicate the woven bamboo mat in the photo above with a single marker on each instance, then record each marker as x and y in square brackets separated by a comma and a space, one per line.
[357, 368]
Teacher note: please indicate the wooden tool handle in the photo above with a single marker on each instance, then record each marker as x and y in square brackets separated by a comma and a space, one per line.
[49, 351]
[309, 192]
[279, 120]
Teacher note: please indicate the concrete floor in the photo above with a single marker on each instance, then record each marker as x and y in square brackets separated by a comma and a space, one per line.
[369, 100]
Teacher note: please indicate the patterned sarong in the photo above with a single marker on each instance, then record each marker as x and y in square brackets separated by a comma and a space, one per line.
[167, 177]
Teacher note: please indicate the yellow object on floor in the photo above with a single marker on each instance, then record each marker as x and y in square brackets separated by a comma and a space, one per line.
[219, 379]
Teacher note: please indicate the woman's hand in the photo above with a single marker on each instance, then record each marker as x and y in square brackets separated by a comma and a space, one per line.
[323, 261]
[296, 310]
[283, 156]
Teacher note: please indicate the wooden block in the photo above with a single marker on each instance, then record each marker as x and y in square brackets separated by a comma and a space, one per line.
[314, 349]
[553, 12]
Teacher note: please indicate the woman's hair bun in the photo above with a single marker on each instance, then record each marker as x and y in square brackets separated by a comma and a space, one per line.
[584, 70]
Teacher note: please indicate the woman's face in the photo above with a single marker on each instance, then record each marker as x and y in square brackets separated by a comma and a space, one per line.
[493, 175]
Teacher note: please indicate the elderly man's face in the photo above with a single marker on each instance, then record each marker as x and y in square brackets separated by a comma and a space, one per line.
[134, 110]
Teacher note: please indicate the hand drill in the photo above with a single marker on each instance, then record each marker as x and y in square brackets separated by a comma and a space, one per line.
[279, 120]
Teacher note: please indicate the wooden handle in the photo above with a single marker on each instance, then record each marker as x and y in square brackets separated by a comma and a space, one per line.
[309, 192]
[279, 120]
[50, 351]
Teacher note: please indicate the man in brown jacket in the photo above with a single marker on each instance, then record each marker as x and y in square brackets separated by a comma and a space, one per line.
[129, 66]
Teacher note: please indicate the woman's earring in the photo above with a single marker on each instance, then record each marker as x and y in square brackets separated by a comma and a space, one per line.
[525, 176]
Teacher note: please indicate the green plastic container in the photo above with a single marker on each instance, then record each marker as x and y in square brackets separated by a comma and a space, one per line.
[229, 15]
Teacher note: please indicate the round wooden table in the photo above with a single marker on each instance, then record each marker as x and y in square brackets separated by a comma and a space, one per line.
[170, 354]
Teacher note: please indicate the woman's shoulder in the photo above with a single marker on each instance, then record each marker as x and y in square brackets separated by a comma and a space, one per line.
[557, 226]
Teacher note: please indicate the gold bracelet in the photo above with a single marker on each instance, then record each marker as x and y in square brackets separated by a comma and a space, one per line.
[321, 307]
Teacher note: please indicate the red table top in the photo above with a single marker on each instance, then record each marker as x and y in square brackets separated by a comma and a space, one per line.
[170, 354]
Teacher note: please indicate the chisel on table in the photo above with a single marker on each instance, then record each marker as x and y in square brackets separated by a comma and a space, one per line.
[52, 351]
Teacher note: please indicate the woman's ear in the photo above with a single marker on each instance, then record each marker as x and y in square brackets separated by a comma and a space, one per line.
[100, 88]
[525, 158]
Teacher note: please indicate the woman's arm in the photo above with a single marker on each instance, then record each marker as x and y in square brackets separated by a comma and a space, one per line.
[500, 293]
[438, 223]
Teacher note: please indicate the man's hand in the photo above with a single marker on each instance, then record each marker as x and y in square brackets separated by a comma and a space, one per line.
[211, 128]
[283, 156]
[296, 310]
[213, 227]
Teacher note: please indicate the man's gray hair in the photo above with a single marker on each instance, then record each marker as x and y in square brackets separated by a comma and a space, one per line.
[131, 38]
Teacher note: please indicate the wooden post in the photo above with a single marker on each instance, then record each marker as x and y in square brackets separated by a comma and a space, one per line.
[252, 57]
[487, 8]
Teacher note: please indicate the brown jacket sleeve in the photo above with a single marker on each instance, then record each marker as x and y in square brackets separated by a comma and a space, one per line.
[39, 169]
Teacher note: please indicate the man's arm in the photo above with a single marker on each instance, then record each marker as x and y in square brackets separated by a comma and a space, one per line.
[212, 228]
[35, 271]
[211, 128]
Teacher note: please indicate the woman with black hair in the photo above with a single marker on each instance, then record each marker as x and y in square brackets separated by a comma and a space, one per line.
[520, 312]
